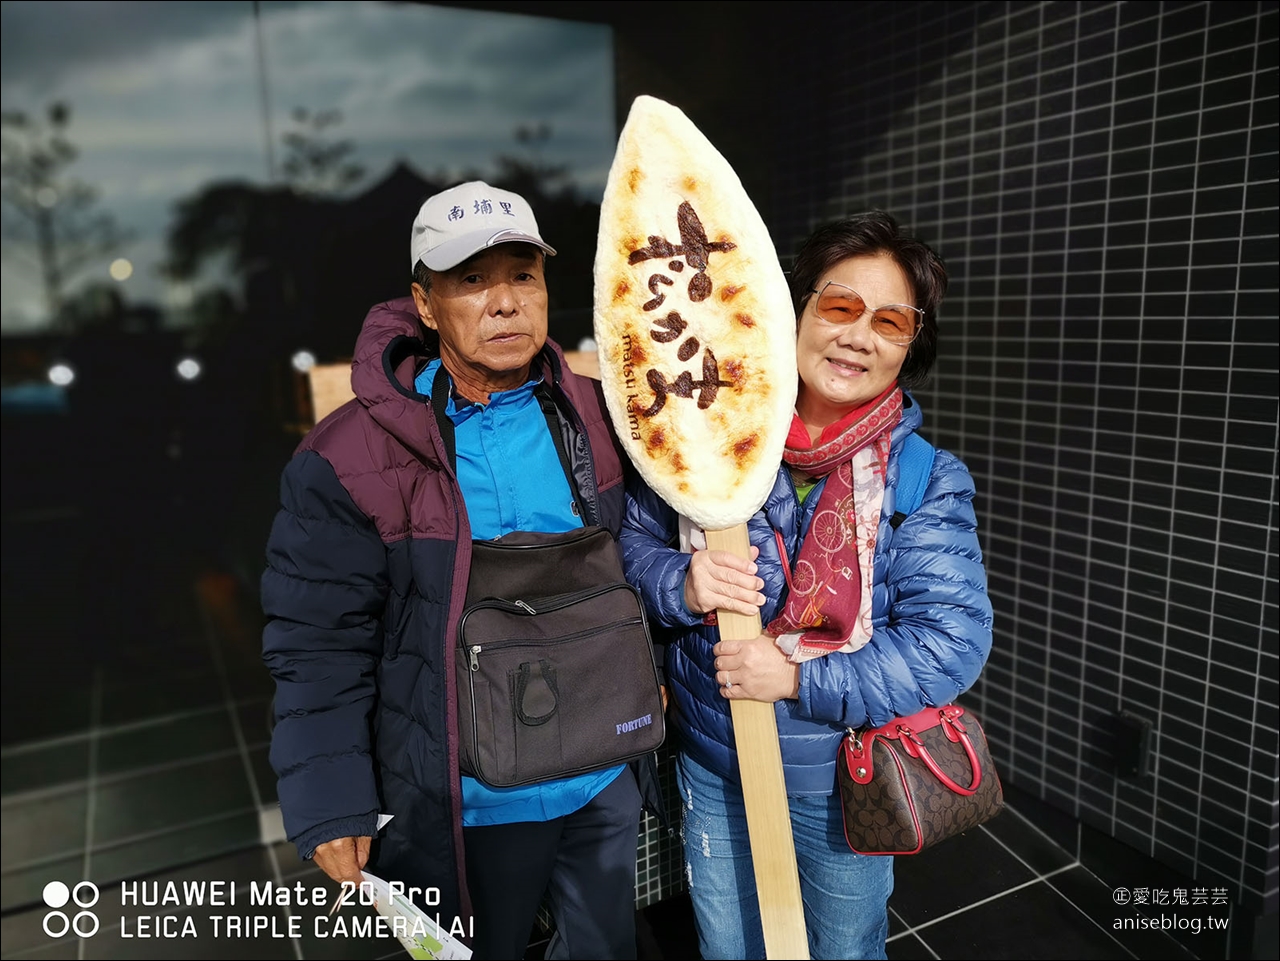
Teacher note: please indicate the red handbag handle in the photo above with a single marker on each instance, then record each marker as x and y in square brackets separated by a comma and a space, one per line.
[915, 747]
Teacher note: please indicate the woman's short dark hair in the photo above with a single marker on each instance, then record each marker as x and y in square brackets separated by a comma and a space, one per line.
[869, 234]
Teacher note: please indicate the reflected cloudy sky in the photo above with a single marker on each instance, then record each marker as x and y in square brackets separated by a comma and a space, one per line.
[165, 98]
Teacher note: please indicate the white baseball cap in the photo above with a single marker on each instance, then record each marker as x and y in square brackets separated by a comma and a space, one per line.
[463, 220]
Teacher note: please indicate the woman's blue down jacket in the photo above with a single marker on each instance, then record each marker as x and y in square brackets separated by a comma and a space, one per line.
[932, 619]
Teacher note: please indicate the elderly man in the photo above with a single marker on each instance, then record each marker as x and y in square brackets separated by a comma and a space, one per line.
[368, 566]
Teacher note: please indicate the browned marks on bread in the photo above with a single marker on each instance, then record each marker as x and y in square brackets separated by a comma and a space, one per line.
[634, 178]
[734, 370]
[621, 290]
[728, 292]
[637, 355]
[678, 465]
[746, 320]
[744, 447]
[657, 439]
[690, 183]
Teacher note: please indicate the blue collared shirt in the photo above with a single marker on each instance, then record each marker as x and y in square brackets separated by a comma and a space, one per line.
[512, 480]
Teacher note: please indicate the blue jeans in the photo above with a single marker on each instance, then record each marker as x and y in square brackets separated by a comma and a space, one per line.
[846, 895]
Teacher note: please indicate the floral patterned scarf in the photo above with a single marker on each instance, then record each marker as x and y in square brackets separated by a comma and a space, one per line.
[829, 605]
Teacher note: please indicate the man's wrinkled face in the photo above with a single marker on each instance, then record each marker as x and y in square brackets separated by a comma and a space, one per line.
[491, 314]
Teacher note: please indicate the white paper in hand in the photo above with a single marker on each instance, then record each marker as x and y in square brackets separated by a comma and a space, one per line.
[417, 931]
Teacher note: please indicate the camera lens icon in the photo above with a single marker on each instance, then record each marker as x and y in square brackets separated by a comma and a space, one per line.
[57, 923]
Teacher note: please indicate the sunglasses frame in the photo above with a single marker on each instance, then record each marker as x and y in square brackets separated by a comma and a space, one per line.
[874, 310]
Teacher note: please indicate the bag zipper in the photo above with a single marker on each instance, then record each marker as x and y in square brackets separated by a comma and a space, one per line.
[514, 642]
[546, 605]
[525, 609]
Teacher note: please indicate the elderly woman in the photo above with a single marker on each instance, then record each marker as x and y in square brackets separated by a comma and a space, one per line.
[865, 621]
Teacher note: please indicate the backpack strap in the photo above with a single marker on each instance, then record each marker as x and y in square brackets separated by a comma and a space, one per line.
[915, 464]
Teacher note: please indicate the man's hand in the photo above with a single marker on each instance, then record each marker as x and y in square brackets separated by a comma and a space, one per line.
[344, 858]
[755, 670]
[718, 580]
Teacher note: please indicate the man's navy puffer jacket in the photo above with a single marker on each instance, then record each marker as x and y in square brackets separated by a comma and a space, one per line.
[931, 616]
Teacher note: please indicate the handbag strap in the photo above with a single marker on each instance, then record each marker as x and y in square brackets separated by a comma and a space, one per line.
[915, 747]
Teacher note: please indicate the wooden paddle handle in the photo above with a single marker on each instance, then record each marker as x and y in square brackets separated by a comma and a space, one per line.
[764, 792]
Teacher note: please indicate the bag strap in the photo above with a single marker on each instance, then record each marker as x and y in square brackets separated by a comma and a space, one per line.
[440, 403]
[915, 464]
[548, 405]
[916, 748]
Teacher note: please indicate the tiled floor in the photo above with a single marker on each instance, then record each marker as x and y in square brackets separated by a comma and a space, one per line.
[141, 754]
[1005, 890]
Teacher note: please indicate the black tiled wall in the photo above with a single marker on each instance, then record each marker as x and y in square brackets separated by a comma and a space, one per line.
[1101, 179]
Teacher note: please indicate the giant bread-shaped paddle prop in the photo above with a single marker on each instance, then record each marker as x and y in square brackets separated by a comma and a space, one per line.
[696, 334]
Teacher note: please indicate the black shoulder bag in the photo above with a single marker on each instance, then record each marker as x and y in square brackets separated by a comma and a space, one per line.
[554, 665]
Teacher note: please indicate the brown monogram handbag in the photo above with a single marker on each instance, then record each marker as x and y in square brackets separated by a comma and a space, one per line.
[916, 781]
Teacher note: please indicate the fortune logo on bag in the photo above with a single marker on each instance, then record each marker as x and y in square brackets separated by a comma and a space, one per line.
[626, 727]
